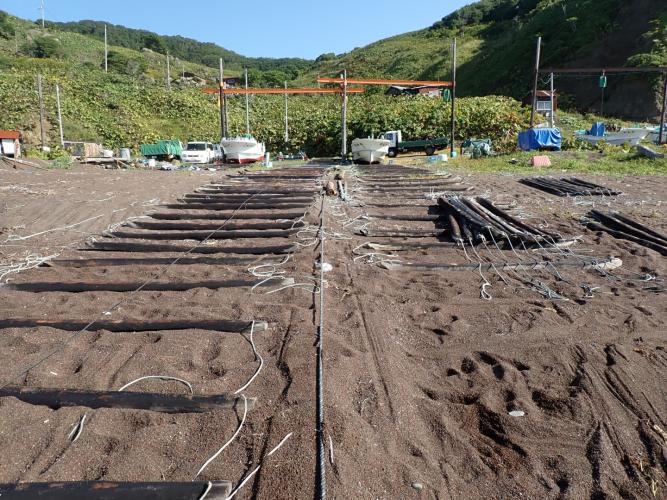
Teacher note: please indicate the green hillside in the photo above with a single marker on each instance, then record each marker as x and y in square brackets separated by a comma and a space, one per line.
[496, 43]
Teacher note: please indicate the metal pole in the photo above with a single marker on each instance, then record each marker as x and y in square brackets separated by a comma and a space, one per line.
[247, 105]
[537, 74]
[453, 124]
[106, 51]
[552, 120]
[661, 134]
[286, 118]
[41, 110]
[223, 128]
[60, 117]
[168, 73]
[344, 119]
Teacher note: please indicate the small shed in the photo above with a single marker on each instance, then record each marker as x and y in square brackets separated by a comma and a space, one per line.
[543, 102]
[10, 143]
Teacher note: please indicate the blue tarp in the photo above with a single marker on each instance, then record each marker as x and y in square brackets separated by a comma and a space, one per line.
[597, 129]
[540, 138]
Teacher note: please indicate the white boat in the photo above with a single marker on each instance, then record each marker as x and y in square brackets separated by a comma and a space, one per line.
[654, 134]
[370, 150]
[242, 149]
[630, 135]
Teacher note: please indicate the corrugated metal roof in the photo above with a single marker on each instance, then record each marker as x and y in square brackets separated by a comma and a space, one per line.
[10, 134]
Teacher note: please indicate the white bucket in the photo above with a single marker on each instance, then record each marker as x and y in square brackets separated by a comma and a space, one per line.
[152, 163]
[125, 154]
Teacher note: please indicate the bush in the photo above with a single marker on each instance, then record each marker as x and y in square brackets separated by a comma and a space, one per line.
[7, 30]
[46, 47]
[126, 65]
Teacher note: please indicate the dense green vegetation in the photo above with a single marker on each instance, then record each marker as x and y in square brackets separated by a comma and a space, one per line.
[496, 43]
[117, 111]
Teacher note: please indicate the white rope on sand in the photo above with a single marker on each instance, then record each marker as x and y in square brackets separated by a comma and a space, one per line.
[30, 262]
[249, 476]
[257, 356]
[217, 453]
[63, 228]
[77, 429]
[160, 377]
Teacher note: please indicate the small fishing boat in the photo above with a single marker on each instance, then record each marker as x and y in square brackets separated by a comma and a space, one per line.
[370, 150]
[654, 133]
[242, 149]
[597, 133]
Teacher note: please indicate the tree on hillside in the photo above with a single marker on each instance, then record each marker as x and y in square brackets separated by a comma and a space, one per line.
[126, 65]
[7, 30]
[155, 43]
[46, 47]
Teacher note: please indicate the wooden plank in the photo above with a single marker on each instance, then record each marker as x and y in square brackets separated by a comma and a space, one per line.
[131, 286]
[120, 325]
[242, 215]
[221, 234]
[151, 261]
[128, 400]
[214, 226]
[124, 246]
[606, 264]
[236, 206]
[114, 490]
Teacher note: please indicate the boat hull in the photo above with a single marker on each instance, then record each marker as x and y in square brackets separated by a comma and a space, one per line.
[369, 150]
[625, 136]
[243, 150]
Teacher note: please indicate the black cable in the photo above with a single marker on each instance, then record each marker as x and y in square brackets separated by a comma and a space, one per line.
[320, 485]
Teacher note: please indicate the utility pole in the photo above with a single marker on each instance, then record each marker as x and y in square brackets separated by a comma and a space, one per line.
[344, 119]
[42, 8]
[168, 73]
[537, 74]
[286, 118]
[661, 134]
[552, 117]
[60, 117]
[223, 121]
[41, 110]
[106, 51]
[453, 124]
[247, 105]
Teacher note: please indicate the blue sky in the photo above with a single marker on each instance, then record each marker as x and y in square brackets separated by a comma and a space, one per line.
[272, 28]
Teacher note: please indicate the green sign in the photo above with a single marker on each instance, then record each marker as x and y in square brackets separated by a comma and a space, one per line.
[603, 82]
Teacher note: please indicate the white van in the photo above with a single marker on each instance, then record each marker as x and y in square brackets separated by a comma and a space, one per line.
[198, 152]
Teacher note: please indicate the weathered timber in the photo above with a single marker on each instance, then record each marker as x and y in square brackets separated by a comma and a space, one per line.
[165, 403]
[202, 226]
[130, 286]
[151, 261]
[243, 215]
[123, 246]
[115, 490]
[120, 325]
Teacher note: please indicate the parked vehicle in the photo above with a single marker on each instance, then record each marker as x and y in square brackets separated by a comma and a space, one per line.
[162, 150]
[198, 152]
[242, 149]
[370, 150]
[398, 145]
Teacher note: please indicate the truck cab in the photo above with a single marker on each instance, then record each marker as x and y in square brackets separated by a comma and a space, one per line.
[394, 137]
[198, 152]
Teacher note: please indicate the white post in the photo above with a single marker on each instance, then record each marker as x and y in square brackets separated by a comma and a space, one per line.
[106, 51]
[41, 111]
[60, 116]
[168, 73]
[344, 118]
[247, 105]
[42, 9]
[552, 119]
[286, 118]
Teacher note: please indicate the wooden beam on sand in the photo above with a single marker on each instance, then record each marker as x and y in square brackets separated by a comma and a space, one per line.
[131, 286]
[120, 325]
[130, 400]
[125, 246]
[115, 490]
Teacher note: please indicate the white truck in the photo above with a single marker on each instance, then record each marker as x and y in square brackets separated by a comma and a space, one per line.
[199, 152]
